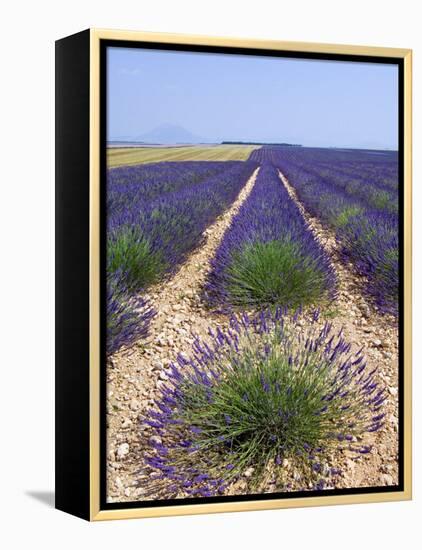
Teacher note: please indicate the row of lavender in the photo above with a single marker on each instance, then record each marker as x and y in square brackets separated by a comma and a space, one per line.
[375, 182]
[361, 206]
[382, 174]
[137, 184]
[156, 215]
[268, 256]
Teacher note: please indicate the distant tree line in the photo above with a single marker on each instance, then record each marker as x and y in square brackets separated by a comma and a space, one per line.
[260, 143]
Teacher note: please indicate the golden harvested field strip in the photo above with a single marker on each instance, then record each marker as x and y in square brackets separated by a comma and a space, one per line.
[127, 156]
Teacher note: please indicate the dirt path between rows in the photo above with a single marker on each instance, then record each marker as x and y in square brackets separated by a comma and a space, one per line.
[132, 379]
[363, 326]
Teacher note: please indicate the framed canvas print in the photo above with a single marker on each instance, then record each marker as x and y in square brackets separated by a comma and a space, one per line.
[233, 274]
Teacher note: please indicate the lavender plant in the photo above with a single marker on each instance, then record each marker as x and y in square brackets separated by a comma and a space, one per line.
[130, 252]
[128, 316]
[370, 241]
[268, 255]
[253, 396]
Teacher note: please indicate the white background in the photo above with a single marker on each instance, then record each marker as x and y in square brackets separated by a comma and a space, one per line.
[27, 202]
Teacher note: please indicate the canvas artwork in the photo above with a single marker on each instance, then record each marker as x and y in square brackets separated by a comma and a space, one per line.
[252, 275]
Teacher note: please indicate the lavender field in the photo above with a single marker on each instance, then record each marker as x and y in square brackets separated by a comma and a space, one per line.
[252, 310]
[357, 196]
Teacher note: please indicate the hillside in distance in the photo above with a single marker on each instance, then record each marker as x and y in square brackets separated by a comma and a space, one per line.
[168, 134]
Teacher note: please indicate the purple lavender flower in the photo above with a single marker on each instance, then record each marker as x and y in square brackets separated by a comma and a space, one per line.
[316, 467]
[128, 317]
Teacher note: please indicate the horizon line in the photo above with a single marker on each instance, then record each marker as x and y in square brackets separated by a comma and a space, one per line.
[261, 143]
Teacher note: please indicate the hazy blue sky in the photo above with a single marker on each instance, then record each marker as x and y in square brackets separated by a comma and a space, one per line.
[232, 97]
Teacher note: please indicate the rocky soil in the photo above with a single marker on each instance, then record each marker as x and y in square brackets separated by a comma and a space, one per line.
[133, 378]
